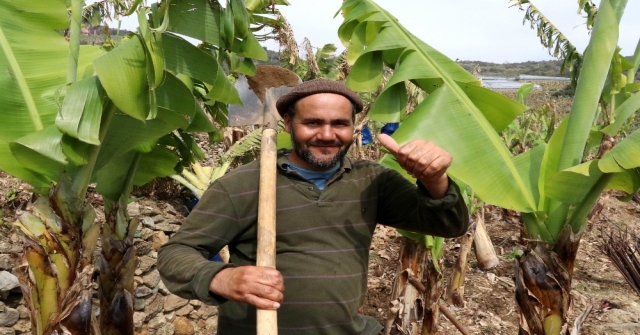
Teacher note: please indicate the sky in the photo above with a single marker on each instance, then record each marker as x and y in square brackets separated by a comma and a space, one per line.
[473, 30]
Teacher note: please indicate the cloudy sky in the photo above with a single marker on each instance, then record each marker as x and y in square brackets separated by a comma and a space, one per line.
[483, 30]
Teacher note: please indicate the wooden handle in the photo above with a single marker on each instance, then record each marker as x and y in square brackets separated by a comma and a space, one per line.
[267, 321]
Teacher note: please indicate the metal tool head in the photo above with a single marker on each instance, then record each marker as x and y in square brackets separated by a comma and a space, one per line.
[271, 81]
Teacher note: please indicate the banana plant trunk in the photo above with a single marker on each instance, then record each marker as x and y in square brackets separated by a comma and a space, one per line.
[409, 306]
[432, 279]
[117, 264]
[543, 286]
[455, 293]
[60, 239]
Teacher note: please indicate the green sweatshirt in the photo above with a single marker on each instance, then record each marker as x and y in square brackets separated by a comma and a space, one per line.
[323, 239]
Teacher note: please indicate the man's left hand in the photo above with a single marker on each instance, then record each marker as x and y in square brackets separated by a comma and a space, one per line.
[424, 160]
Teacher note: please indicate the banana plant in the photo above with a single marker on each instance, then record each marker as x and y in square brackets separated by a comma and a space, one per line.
[551, 185]
[200, 177]
[75, 115]
[553, 39]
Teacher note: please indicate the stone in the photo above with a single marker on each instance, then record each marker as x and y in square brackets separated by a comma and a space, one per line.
[201, 323]
[162, 288]
[22, 326]
[211, 325]
[7, 331]
[138, 319]
[207, 311]
[170, 316]
[167, 329]
[142, 247]
[151, 279]
[185, 310]
[158, 218]
[151, 210]
[142, 331]
[24, 311]
[148, 222]
[8, 281]
[146, 233]
[142, 291]
[5, 262]
[9, 317]
[145, 263]
[138, 304]
[170, 209]
[159, 239]
[195, 303]
[133, 209]
[183, 326]
[154, 305]
[173, 302]
[167, 227]
[156, 323]
[6, 247]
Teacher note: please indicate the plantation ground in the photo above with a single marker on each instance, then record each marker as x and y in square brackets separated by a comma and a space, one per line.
[490, 306]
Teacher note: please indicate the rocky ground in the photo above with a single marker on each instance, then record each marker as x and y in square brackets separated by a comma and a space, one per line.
[489, 300]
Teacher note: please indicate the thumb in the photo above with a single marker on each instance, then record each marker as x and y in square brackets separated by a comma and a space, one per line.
[389, 143]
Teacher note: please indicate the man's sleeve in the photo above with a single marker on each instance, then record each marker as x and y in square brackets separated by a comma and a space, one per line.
[184, 262]
[405, 206]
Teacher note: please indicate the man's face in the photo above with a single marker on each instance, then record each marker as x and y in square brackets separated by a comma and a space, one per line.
[321, 130]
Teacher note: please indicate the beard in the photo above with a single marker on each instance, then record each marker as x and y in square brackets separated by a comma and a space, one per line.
[302, 151]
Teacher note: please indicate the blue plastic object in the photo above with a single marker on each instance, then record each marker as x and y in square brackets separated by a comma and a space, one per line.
[367, 138]
[390, 128]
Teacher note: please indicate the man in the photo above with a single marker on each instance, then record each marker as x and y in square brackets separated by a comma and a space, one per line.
[327, 208]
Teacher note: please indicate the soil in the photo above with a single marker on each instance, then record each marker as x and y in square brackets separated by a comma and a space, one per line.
[490, 306]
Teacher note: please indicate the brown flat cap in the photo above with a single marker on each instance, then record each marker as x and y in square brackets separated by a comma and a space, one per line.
[316, 86]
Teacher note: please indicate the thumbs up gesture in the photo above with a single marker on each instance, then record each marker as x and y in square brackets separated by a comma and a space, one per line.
[424, 160]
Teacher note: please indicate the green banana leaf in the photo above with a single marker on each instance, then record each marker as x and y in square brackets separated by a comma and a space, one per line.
[625, 155]
[123, 74]
[183, 57]
[126, 134]
[455, 113]
[111, 179]
[201, 123]
[597, 59]
[202, 19]
[462, 118]
[80, 118]
[623, 113]
[35, 55]
[199, 19]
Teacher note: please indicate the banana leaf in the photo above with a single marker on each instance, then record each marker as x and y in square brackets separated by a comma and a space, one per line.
[183, 57]
[456, 112]
[34, 54]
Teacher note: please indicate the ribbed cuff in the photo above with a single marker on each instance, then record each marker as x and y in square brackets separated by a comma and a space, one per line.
[202, 280]
[449, 200]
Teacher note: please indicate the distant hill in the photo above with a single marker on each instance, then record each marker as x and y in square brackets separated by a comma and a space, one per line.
[543, 68]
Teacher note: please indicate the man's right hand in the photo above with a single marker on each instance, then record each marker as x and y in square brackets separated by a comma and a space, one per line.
[258, 286]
